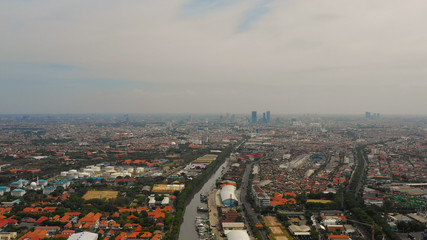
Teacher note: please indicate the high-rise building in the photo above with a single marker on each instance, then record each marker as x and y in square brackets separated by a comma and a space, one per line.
[368, 115]
[264, 120]
[254, 117]
[268, 116]
[374, 116]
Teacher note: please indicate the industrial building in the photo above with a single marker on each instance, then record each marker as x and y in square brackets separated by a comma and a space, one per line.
[84, 236]
[238, 235]
[228, 195]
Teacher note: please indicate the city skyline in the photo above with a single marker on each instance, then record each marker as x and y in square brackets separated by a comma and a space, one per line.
[188, 56]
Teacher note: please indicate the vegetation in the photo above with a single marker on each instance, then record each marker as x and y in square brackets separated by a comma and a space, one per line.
[371, 215]
[191, 188]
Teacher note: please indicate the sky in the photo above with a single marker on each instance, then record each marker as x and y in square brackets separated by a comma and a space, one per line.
[213, 56]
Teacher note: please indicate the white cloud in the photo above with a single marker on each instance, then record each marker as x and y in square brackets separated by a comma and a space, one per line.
[302, 56]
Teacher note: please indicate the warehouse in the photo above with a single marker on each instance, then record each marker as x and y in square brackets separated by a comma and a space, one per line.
[238, 235]
[228, 195]
[83, 236]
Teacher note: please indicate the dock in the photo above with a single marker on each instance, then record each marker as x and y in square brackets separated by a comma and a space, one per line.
[213, 212]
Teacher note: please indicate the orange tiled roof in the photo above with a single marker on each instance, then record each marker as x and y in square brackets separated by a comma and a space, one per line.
[146, 235]
[91, 217]
[65, 218]
[88, 224]
[133, 235]
[156, 237]
[336, 237]
[157, 214]
[121, 236]
[37, 234]
[5, 210]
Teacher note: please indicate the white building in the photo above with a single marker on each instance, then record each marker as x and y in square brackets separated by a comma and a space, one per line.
[230, 226]
[83, 236]
[238, 235]
[42, 182]
[8, 235]
[302, 230]
[165, 201]
[260, 197]
[228, 195]
[4, 189]
[18, 192]
[20, 183]
[33, 186]
[151, 201]
[48, 190]
[109, 168]
[62, 183]
[329, 221]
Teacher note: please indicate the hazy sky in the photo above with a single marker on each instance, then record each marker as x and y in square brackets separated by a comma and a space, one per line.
[213, 56]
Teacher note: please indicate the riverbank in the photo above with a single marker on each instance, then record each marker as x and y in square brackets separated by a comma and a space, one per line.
[191, 189]
[213, 212]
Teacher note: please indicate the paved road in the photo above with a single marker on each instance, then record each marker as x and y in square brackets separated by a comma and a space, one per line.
[362, 176]
[213, 213]
[362, 230]
[357, 155]
[248, 207]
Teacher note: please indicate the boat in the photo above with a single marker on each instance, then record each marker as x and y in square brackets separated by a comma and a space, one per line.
[203, 198]
[202, 209]
[203, 227]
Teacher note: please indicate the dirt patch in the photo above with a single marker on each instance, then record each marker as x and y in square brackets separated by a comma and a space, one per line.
[100, 195]
[281, 238]
[271, 221]
[276, 230]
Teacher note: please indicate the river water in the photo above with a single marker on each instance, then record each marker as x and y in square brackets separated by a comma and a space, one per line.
[188, 229]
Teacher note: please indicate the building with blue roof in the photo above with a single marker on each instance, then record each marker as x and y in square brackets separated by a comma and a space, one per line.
[20, 183]
[62, 183]
[4, 189]
[48, 190]
[42, 182]
[96, 178]
[18, 192]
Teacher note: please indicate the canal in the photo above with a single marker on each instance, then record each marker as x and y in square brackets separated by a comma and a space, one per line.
[188, 230]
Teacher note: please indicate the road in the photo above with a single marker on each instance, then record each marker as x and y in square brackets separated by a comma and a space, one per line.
[213, 213]
[362, 176]
[250, 212]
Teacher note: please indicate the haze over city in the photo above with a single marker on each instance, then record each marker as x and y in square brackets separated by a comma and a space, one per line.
[327, 57]
[213, 120]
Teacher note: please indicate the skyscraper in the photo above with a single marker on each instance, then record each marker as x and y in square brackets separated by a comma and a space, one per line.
[268, 116]
[254, 118]
[368, 115]
[264, 120]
